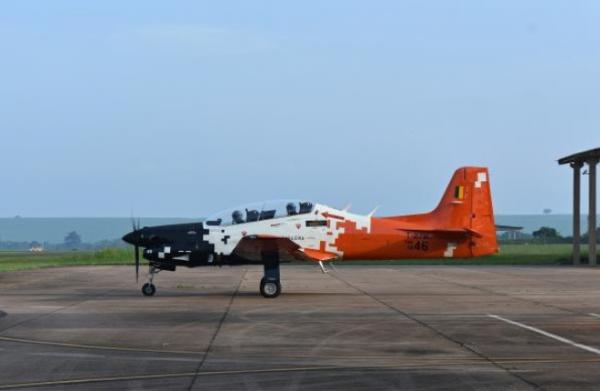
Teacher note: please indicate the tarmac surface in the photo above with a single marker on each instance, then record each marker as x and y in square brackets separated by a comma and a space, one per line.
[355, 328]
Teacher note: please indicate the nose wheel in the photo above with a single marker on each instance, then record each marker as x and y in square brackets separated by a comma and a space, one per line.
[148, 289]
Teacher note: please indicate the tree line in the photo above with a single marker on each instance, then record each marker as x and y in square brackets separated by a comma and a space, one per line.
[72, 241]
[547, 235]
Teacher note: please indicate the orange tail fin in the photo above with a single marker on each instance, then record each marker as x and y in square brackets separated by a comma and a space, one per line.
[467, 204]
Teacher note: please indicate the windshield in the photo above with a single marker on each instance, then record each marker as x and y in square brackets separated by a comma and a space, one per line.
[258, 211]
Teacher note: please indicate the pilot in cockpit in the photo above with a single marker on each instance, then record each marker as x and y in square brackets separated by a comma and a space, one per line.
[236, 217]
[291, 209]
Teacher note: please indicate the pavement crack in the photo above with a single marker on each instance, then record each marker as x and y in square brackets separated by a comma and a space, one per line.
[217, 330]
[437, 331]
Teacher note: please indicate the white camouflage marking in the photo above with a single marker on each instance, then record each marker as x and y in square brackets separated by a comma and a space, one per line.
[449, 253]
[481, 177]
[292, 227]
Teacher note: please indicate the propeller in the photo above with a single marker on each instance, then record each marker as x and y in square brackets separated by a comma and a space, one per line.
[137, 263]
[136, 228]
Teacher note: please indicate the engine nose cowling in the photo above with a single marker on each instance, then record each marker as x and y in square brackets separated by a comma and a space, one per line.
[130, 237]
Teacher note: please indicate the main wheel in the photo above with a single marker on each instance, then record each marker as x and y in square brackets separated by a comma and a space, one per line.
[148, 289]
[270, 289]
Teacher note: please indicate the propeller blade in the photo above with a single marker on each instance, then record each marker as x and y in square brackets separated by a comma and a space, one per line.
[137, 263]
[135, 240]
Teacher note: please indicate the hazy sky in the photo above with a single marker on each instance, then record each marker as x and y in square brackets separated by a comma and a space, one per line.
[173, 108]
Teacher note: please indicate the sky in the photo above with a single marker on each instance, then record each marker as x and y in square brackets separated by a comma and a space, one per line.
[182, 108]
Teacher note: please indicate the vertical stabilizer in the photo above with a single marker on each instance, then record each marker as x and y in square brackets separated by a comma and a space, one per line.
[467, 203]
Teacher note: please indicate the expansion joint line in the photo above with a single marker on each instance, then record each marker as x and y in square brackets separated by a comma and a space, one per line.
[439, 332]
[219, 326]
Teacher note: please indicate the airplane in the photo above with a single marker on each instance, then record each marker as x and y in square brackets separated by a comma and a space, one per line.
[272, 232]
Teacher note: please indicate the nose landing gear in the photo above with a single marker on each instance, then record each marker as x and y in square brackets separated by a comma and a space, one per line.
[149, 289]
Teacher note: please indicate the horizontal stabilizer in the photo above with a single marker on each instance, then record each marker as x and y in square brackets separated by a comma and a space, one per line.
[500, 227]
[449, 231]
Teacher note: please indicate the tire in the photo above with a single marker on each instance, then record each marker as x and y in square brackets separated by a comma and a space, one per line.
[148, 289]
[270, 289]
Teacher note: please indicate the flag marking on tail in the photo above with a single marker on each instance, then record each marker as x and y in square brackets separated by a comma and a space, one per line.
[459, 192]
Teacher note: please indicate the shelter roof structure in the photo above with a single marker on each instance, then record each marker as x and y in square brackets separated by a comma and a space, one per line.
[590, 157]
[581, 157]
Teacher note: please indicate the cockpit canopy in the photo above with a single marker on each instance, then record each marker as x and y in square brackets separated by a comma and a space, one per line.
[258, 211]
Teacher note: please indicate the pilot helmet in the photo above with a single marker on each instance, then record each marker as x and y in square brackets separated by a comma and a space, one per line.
[236, 216]
[291, 208]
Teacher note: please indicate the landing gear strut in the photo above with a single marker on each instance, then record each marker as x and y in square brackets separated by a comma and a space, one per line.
[270, 286]
[149, 289]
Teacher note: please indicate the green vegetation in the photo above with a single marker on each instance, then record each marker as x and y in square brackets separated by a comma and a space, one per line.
[13, 260]
[546, 233]
[510, 254]
[543, 235]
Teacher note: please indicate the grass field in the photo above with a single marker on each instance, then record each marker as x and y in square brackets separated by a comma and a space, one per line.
[12, 260]
[514, 254]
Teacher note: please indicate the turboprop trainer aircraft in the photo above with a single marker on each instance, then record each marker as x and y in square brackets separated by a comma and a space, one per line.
[268, 233]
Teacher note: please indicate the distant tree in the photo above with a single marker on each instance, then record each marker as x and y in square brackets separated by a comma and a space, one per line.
[585, 236]
[72, 240]
[546, 233]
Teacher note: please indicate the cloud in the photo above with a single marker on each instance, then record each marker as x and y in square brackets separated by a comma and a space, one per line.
[200, 38]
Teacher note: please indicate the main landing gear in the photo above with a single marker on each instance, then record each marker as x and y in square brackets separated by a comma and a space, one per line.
[270, 285]
[149, 289]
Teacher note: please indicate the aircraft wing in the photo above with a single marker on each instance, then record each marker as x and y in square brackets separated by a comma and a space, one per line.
[253, 247]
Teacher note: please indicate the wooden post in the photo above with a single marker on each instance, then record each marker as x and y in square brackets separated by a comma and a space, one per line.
[592, 212]
[576, 212]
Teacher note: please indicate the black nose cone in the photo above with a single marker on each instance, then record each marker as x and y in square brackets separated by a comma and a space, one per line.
[130, 238]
